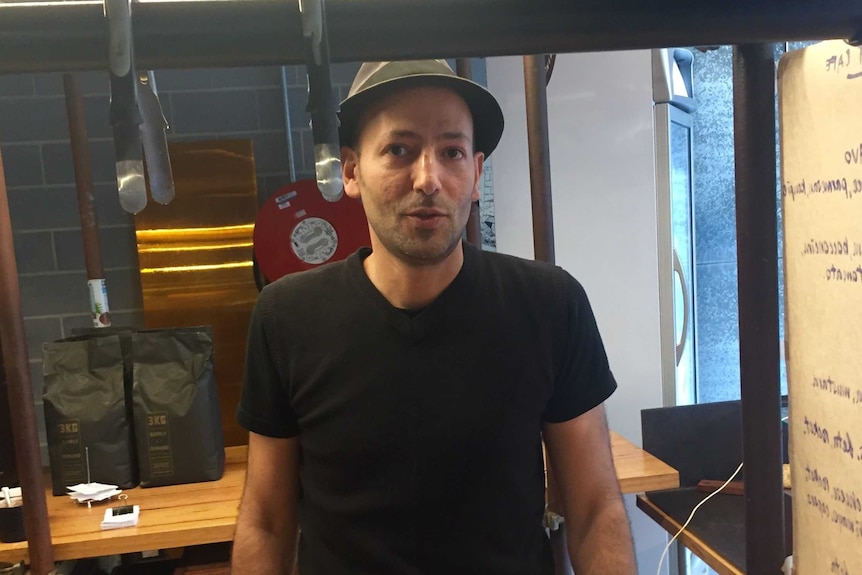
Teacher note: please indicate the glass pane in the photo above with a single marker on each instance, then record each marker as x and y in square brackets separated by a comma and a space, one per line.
[680, 144]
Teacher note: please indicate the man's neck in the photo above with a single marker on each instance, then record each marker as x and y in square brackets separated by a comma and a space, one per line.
[407, 286]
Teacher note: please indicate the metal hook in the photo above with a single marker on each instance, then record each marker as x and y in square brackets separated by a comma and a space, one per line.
[322, 105]
[125, 114]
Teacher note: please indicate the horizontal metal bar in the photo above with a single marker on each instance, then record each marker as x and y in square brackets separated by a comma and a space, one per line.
[66, 36]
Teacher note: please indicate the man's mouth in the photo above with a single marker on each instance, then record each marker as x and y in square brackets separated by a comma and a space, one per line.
[426, 214]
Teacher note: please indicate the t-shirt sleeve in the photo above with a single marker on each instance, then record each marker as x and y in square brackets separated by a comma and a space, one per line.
[264, 406]
[585, 379]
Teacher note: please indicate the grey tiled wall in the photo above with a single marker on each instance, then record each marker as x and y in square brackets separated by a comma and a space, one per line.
[200, 104]
[34, 140]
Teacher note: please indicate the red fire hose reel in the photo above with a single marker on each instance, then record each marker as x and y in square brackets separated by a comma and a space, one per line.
[297, 229]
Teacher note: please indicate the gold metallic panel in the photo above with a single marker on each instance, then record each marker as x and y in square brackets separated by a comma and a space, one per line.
[195, 256]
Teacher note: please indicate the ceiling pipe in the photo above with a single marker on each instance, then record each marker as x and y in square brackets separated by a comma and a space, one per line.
[66, 36]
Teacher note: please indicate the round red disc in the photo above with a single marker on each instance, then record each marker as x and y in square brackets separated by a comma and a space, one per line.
[297, 229]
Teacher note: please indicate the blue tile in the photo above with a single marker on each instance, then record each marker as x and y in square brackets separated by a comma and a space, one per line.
[108, 209]
[270, 153]
[16, 85]
[250, 77]
[54, 294]
[33, 119]
[134, 318]
[342, 73]
[124, 290]
[48, 84]
[214, 112]
[22, 164]
[43, 209]
[34, 252]
[74, 322]
[89, 83]
[169, 80]
[116, 245]
[39, 331]
[70, 250]
[270, 109]
[297, 101]
[97, 116]
[60, 169]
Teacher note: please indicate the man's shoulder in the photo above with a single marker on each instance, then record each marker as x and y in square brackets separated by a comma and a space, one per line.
[308, 285]
[517, 267]
[535, 279]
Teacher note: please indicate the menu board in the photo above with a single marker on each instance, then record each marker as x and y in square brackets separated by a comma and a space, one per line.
[820, 111]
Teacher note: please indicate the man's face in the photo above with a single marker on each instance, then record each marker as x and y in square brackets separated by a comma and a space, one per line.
[416, 173]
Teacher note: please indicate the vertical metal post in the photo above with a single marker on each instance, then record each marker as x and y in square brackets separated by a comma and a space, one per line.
[8, 467]
[464, 68]
[757, 264]
[20, 392]
[540, 161]
[535, 88]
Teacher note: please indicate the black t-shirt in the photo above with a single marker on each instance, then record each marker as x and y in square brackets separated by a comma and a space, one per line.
[420, 435]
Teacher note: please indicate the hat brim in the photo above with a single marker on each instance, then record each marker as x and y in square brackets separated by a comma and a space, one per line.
[487, 116]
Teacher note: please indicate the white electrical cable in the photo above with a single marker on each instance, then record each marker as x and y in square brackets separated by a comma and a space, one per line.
[687, 521]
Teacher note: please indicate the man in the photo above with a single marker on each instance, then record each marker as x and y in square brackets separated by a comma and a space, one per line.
[397, 400]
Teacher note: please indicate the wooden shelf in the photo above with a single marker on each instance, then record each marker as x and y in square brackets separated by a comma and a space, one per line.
[200, 513]
[174, 516]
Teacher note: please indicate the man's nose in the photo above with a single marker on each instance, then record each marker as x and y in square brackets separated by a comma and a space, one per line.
[427, 174]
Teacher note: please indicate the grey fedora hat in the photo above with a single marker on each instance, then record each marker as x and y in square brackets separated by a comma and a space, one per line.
[376, 80]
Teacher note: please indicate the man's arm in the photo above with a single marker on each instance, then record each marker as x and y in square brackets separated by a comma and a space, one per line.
[266, 529]
[598, 531]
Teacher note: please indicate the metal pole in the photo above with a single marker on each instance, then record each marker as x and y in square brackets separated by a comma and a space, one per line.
[84, 184]
[8, 468]
[535, 88]
[757, 264]
[540, 162]
[35, 36]
[20, 391]
[464, 68]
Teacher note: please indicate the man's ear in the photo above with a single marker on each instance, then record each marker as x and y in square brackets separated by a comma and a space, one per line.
[479, 161]
[349, 165]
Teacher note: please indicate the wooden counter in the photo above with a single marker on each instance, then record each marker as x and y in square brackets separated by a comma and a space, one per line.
[639, 471]
[199, 513]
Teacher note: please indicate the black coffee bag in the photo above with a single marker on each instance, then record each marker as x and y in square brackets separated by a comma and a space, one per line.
[176, 408]
[85, 413]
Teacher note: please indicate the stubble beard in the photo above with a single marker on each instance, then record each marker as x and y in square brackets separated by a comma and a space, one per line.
[417, 247]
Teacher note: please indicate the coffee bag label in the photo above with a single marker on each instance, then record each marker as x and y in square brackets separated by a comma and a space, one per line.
[73, 465]
[159, 445]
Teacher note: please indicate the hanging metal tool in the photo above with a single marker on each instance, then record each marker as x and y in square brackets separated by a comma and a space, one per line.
[125, 114]
[155, 140]
[322, 104]
[136, 117]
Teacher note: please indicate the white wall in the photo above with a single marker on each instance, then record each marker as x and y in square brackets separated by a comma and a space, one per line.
[603, 181]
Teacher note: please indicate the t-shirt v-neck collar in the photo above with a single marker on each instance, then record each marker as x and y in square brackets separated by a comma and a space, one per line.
[416, 326]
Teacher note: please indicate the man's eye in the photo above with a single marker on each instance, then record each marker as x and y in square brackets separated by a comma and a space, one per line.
[454, 153]
[397, 150]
